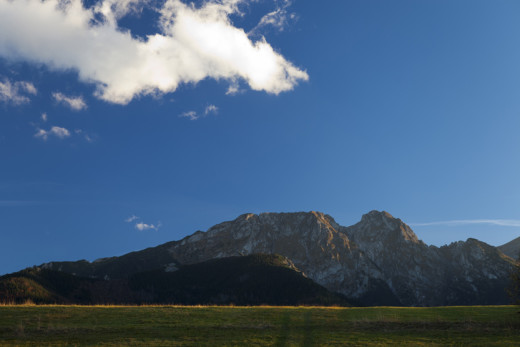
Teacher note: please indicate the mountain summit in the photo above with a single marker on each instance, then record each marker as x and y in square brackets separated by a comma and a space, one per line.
[383, 225]
[378, 261]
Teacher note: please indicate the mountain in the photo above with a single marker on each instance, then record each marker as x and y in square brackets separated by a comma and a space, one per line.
[378, 261]
[511, 249]
[249, 280]
[243, 280]
[43, 286]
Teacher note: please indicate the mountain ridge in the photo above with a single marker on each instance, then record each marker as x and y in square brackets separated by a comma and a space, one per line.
[379, 260]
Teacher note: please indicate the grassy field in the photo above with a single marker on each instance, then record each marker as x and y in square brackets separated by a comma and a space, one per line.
[257, 326]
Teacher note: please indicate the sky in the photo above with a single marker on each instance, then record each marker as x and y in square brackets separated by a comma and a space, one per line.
[125, 124]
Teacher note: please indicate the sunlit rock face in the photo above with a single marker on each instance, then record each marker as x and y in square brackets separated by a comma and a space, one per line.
[312, 241]
[379, 260]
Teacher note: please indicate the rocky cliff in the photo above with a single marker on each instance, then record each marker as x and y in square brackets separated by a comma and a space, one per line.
[378, 261]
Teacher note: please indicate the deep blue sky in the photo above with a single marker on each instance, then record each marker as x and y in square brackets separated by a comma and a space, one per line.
[412, 107]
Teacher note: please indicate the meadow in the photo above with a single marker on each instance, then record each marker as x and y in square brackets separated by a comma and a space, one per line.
[32, 325]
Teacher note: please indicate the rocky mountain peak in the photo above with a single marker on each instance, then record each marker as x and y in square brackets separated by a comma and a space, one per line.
[382, 220]
[292, 223]
[375, 215]
[382, 226]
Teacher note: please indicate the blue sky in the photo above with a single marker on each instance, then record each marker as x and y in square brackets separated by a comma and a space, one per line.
[125, 123]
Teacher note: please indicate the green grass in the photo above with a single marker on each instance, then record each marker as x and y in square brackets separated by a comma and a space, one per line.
[257, 326]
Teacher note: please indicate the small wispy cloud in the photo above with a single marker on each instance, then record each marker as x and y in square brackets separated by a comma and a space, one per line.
[87, 137]
[191, 115]
[44, 117]
[144, 226]
[141, 226]
[234, 88]
[28, 87]
[131, 218]
[16, 92]
[210, 109]
[76, 103]
[462, 222]
[280, 18]
[55, 131]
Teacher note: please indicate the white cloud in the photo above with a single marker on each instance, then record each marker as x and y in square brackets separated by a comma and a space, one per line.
[16, 92]
[497, 222]
[87, 137]
[28, 87]
[131, 218]
[233, 88]
[44, 117]
[194, 43]
[279, 18]
[191, 115]
[74, 102]
[143, 226]
[53, 131]
[116, 9]
[210, 109]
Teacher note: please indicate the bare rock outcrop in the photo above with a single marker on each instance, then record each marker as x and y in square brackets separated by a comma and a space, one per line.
[378, 261]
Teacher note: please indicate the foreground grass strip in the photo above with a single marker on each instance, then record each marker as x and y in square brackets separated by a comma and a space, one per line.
[257, 326]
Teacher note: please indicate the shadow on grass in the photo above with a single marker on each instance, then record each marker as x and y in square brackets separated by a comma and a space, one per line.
[308, 334]
[281, 341]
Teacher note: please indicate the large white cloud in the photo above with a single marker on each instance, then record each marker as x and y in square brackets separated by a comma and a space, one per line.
[193, 44]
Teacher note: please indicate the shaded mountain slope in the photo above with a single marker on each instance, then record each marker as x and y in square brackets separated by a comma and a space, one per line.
[247, 280]
[43, 286]
[244, 280]
[511, 249]
[117, 267]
